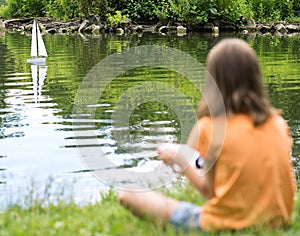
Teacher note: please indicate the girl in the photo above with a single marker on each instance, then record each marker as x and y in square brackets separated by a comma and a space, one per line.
[247, 177]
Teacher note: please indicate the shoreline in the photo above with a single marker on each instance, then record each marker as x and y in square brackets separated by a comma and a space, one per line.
[94, 26]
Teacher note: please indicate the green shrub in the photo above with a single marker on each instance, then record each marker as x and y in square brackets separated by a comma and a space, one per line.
[58, 9]
[234, 11]
[18, 8]
[117, 19]
[189, 10]
[70, 9]
[151, 11]
[4, 11]
[206, 10]
[178, 10]
[296, 7]
[274, 10]
[64, 9]
[138, 10]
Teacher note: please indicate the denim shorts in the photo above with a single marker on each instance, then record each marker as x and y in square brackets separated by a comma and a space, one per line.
[186, 216]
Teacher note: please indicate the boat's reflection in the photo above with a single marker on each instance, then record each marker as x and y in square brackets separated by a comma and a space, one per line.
[38, 74]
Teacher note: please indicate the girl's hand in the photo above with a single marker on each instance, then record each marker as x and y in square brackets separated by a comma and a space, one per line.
[167, 151]
[178, 156]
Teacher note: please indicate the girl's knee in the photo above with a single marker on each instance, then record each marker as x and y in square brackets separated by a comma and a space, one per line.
[122, 196]
[125, 198]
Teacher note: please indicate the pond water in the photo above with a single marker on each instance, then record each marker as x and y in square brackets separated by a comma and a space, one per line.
[45, 143]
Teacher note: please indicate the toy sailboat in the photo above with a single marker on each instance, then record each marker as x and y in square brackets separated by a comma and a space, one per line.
[38, 49]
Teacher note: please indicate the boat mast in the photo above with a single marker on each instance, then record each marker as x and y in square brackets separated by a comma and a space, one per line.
[34, 41]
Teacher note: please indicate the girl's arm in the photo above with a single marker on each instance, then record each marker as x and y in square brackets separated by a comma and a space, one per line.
[201, 179]
[181, 158]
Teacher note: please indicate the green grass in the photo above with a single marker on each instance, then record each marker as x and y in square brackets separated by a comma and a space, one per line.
[104, 218]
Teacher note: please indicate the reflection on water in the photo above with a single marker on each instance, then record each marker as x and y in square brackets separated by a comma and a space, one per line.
[38, 74]
[37, 140]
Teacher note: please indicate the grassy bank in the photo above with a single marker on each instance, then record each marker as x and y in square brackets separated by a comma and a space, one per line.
[104, 218]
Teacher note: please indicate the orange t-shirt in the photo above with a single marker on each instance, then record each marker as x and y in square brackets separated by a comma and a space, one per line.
[253, 176]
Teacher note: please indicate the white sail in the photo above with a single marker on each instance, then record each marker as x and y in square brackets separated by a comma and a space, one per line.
[38, 49]
[41, 46]
[34, 41]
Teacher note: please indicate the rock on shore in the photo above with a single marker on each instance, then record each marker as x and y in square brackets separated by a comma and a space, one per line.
[95, 26]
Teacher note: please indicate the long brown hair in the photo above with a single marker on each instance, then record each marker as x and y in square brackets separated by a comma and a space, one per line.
[234, 73]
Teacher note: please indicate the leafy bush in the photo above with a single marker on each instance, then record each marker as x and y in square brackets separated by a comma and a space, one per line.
[296, 7]
[206, 10]
[178, 10]
[64, 9]
[138, 10]
[234, 11]
[117, 19]
[70, 9]
[17, 8]
[151, 11]
[274, 10]
[3, 11]
[94, 7]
